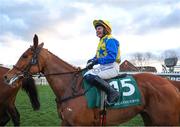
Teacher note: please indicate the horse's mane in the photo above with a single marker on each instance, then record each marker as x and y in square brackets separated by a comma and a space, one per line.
[66, 63]
[4, 68]
[28, 85]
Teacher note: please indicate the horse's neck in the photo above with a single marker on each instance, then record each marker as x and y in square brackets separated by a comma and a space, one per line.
[59, 83]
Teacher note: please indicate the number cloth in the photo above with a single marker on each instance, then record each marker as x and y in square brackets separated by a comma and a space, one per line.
[127, 87]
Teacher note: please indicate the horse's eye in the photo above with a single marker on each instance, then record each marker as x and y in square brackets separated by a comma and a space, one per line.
[24, 56]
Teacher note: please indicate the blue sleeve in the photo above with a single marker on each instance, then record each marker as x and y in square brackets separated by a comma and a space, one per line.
[112, 46]
[93, 58]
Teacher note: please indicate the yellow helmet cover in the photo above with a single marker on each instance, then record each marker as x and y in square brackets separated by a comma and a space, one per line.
[104, 23]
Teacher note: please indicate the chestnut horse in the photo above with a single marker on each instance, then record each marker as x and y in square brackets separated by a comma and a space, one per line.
[160, 99]
[8, 94]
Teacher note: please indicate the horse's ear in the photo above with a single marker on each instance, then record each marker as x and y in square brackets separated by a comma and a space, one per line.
[41, 45]
[35, 41]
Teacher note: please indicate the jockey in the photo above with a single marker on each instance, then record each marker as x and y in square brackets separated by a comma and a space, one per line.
[107, 57]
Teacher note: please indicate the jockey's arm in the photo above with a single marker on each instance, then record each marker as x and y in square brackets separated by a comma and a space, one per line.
[112, 46]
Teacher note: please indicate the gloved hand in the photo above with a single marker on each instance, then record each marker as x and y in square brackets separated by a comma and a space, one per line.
[91, 63]
[90, 60]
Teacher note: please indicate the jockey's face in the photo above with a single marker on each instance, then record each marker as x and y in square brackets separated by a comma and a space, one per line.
[100, 31]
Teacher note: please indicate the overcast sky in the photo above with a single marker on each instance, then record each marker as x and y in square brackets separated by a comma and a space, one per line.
[65, 26]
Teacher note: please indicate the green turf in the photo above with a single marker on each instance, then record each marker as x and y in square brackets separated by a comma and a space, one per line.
[47, 115]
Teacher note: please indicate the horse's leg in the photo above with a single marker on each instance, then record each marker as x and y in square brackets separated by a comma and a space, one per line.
[5, 119]
[146, 119]
[14, 115]
[65, 123]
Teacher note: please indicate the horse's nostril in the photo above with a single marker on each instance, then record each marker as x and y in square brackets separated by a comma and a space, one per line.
[5, 77]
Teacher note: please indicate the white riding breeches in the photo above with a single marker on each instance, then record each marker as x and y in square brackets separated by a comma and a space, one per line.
[105, 71]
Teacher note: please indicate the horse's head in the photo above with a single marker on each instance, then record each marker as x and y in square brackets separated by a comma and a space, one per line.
[28, 64]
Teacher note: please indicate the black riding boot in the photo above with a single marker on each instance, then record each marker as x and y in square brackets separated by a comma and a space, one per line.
[112, 94]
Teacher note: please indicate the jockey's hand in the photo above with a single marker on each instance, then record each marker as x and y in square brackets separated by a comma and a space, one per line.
[91, 63]
[90, 60]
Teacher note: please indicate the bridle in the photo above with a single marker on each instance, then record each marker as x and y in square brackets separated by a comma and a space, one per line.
[34, 60]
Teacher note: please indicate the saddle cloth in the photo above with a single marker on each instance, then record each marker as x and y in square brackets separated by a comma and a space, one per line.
[127, 87]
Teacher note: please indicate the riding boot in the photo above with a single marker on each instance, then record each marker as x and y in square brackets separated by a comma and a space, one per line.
[112, 94]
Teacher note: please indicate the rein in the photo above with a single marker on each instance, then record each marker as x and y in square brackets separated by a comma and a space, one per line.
[65, 73]
[76, 74]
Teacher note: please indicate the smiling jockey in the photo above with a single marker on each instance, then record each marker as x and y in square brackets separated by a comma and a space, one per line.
[107, 57]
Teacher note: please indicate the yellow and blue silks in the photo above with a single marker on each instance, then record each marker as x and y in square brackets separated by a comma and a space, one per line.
[108, 50]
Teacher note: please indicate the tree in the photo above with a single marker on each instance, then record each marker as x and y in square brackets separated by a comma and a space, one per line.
[169, 54]
[141, 59]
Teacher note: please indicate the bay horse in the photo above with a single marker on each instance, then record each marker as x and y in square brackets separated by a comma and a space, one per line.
[160, 99]
[8, 94]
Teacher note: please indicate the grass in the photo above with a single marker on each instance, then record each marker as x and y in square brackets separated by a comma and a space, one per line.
[47, 115]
